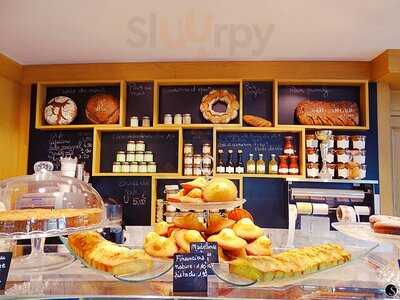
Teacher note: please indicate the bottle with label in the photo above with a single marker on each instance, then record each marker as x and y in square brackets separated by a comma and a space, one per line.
[273, 165]
[260, 165]
[251, 165]
[220, 161]
[230, 167]
[239, 168]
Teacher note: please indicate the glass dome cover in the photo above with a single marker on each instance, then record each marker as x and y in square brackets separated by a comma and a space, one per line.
[46, 204]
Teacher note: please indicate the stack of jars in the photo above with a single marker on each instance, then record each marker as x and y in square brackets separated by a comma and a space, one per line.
[346, 161]
[288, 161]
[197, 164]
[135, 159]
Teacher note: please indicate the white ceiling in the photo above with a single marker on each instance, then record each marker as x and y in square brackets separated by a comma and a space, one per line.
[85, 31]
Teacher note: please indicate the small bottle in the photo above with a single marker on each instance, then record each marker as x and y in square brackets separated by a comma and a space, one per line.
[230, 167]
[260, 165]
[134, 121]
[220, 162]
[178, 119]
[146, 121]
[239, 168]
[251, 165]
[273, 165]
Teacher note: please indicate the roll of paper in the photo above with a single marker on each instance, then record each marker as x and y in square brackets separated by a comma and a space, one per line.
[321, 209]
[292, 225]
[362, 210]
[346, 214]
[304, 208]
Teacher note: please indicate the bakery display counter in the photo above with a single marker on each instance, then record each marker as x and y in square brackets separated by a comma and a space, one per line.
[359, 279]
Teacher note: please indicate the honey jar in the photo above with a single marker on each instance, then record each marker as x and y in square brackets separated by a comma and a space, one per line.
[342, 171]
[342, 141]
[311, 141]
[342, 156]
[312, 170]
[312, 155]
[358, 142]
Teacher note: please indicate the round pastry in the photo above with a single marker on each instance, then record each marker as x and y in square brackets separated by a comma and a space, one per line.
[382, 218]
[185, 237]
[216, 223]
[219, 96]
[151, 236]
[60, 110]
[239, 213]
[161, 228]
[246, 229]
[195, 193]
[233, 254]
[220, 190]
[387, 227]
[228, 240]
[188, 221]
[260, 247]
[161, 247]
[102, 109]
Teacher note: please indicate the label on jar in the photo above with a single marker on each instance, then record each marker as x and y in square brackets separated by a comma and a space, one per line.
[207, 160]
[343, 173]
[312, 143]
[329, 158]
[359, 159]
[197, 171]
[220, 169]
[343, 158]
[188, 160]
[283, 170]
[274, 168]
[251, 169]
[188, 171]
[342, 144]
[239, 170]
[294, 171]
[230, 170]
[312, 172]
[261, 169]
[197, 160]
[360, 145]
[312, 157]
[288, 151]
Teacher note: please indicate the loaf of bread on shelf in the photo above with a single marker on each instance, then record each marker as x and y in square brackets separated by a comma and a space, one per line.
[333, 113]
[107, 256]
[256, 121]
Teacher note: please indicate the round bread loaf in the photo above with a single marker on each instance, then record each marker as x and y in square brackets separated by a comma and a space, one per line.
[102, 109]
[60, 110]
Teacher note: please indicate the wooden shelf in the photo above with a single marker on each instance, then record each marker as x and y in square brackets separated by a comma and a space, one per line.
[289, 128]
[137, 129]
[198, 126]
[77, 126]
[137, 174]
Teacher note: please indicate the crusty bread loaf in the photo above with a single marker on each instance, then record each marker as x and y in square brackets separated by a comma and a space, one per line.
[256, 121]
[334, 113]
[107, 256]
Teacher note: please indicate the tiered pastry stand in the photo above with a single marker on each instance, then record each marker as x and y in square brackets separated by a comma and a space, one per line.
[363, 231]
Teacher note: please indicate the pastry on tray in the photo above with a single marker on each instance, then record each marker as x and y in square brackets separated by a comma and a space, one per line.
[260, 247]
[216, 223]
[184, 238]
[160, 246]
[291, 263]
[188, 221]
[107, 256]
[228, 240]
[220, 190]
[239, 213]
[246, 229]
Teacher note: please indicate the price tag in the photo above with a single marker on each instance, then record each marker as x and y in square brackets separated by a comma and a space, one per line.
[211, 251]
[5, 262]
[190, 272]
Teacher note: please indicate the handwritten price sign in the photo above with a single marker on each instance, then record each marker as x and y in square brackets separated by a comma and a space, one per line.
[5, 262]
[190, 272]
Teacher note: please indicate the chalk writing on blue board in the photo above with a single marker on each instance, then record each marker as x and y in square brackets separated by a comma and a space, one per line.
[139, 89]
[305, 91]
[255, 90]
[80, 90]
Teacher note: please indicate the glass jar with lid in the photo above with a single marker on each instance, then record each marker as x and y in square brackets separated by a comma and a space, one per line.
[342, 171]
[197, 171]
[342, 141]
[342, 156]
[178, 119]
[130, 156]
[145, 121]
[148, 156]
[331, 141]
[142, 167]
[188, 149]
[188, 159]
[151, 167]
[354, 170]
[139, 156]
[293, 165]
[197, 159]
[133, 167]
[288, 147]
[363, 171]
[312, 155]
[311, 141]
[168, 119]
[206, 149]
[120, 157]
[140, 146]
[283, 165]
[358, 142]
[131, 146]
[134, 121]
[116, 167]
[125, 167]
[187, 119]
[207, 160]
[188, 170]
[312, 170]
[359, 156]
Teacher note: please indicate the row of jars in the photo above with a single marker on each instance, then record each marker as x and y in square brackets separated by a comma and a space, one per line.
[291, 168]
[134, 167]
[342, 141]
[197, 164]
[178, 119]
[134, 121]
[189, 150]
[342, 155]
[351, 170]
[134, 156]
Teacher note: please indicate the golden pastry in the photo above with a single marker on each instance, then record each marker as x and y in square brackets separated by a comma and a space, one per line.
[161, 247]
[216, 223]
[161, 228]
[261, 246]
[220, 190]
[185, 237]
[188, 221]
[228, 240]
[256, 121]
[151, 236]
[246, 229]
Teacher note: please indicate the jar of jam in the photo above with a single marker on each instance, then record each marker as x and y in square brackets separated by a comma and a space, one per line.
[116, 167]
[206, 149]
[358, 142]
[342, 171]
[120, 156]
[342, 156]
[312, 155]
[188, 149]
[168, 119]
[188, 159]
[331, 141]
[125, 167]
[197, 170]
[178, 119]
[342, 141]
[293, 165]
[312, 170]
[139, 156]
[358, 156]
[197, 159]
[142, 167]
[188, 170]
[133, 167]
[151, 167]
[331, 169]
[354, 170]
[140, 146]
[134, 121]
[330, 157]
[283, 165]
[311, 141]
[206, 160]
[145, 121]
[206, 170]
[288, 147]
[131, 146]
[130, 156]
[148, 156]
[187, 119]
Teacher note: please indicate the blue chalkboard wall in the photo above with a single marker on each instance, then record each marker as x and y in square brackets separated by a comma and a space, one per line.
[266, 198]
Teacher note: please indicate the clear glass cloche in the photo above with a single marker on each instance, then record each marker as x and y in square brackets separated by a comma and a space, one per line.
[46, 204]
